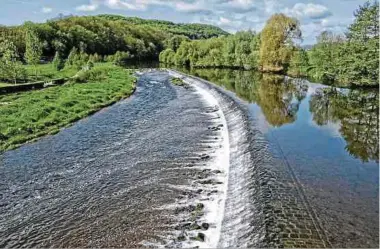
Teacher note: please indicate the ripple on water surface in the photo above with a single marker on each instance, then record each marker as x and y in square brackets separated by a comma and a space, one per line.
[109, 180]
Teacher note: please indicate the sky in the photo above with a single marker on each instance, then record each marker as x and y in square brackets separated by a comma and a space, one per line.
[315, 16]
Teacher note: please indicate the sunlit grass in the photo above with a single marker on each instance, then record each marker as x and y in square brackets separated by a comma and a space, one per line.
[27, 115]
[47, 71]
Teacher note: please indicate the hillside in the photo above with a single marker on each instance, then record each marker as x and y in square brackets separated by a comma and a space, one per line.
[105, 35]
[191, 30]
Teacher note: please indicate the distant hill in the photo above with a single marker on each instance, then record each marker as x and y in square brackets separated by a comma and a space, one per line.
[105, 35]
[191, 30]
[60, 16]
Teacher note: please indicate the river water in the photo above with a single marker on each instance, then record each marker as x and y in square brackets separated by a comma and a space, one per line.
[249, 160]
[327, 138]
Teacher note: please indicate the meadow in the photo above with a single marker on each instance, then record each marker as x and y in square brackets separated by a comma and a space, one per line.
[28, 115]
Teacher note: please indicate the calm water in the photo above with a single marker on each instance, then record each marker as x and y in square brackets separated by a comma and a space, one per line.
[328, 137]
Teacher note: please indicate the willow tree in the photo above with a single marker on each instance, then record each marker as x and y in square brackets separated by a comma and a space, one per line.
[277, 39]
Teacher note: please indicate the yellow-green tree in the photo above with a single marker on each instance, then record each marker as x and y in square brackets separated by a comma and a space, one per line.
[33, 49]
[277, 39]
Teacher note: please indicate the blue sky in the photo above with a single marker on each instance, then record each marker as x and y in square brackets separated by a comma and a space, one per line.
[231, 15]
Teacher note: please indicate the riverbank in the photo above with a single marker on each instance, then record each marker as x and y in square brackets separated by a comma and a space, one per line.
[28, 115]
[46, 72]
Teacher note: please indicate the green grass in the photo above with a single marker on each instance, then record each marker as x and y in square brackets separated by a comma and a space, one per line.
[47, 71]
[5, 84]
[177, 81]
[28, 115]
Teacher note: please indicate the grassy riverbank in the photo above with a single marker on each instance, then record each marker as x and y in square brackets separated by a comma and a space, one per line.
[45, 72]
[28, 115]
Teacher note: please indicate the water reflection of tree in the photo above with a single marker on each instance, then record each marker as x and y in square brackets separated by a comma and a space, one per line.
[357, 112]
[278, 98]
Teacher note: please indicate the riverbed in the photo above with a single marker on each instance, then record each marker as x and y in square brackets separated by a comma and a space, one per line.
[240, 160]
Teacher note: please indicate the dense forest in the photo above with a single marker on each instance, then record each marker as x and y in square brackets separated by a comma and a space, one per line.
[105, 35]
[190, 30]
[352, 58]
[75, 41]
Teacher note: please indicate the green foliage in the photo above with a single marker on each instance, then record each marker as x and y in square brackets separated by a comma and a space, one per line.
[11, 69]
[234, 51]
[177, 81]
[73, 56]
[48, 72]
[167, 56]
[299, 63]
[120, 58]
[324, 56]
[58, 62]
[366, 24]
[105, 35]
[90, 64]
[191, 30]
[29, 115]
[91, 74]
[352, 60]
[174, 42]
[33, 48]
[77, 59]
[277, 39]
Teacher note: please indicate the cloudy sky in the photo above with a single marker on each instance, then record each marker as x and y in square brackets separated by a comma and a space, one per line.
[231, 15]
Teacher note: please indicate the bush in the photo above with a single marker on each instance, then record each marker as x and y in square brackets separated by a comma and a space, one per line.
[120, 58]
[93, 74]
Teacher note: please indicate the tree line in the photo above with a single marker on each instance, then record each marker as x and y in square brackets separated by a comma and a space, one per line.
[109, 37]
[352, 58]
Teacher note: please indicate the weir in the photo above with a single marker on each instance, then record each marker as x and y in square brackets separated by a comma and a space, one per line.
[265, 204]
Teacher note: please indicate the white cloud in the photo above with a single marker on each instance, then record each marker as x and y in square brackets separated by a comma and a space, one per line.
[46, 10]
[238, 6]
[123, 4]
[87, 7]
[190, 6]
[310, 10]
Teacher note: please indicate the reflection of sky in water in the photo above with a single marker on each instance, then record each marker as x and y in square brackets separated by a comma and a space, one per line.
[327, 136]
[304, 136]
[307, 113]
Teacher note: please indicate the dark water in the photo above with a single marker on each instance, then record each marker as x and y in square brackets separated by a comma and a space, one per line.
[110, 180]
[327, 138]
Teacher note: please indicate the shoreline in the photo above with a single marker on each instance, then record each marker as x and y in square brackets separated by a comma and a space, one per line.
[110, 99]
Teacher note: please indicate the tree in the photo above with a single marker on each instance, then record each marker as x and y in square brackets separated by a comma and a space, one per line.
[58, 63]
[366, 24]
[362, 50]
[175, 41]
[33, 49]
[10, 66]
[277, 39]
[73, 56]
[325, 57]
[299, 63]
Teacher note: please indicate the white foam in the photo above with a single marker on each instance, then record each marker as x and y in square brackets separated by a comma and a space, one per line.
[215, 204]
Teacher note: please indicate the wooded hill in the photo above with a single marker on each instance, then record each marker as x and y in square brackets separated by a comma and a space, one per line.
[191, 30]
[105, 35]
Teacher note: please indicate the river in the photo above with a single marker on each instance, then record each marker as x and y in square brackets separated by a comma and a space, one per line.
[250, 161]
